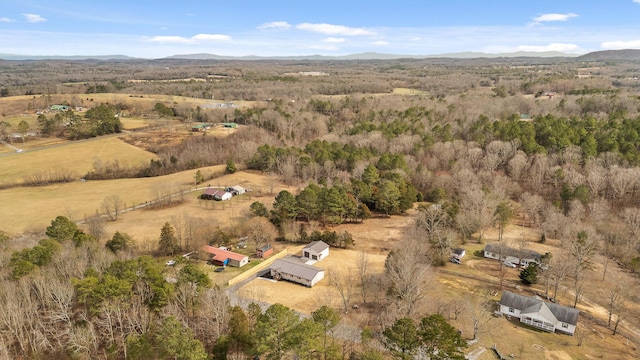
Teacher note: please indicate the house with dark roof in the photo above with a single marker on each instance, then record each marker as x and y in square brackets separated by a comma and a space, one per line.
[316, 250]
[517, 256]
[458, 253]
[222, 257]
[538, 313]
[294, 270]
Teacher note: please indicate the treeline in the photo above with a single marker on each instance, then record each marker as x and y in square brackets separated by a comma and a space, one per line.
[549, 133]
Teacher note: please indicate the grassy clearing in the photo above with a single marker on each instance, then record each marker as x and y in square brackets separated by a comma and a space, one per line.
[130, 123]
[77, 157]
[407, 91]
[13, 121]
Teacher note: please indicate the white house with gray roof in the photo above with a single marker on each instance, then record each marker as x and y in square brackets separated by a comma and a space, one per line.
[520, 257]
[538, 313]
[292, 269]
[316, 250]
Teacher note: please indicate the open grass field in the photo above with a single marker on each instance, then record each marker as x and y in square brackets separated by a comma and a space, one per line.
[17, 105]
[144, 224]
[78, 157]
[406, 91]
[33, 208]
[131, 123]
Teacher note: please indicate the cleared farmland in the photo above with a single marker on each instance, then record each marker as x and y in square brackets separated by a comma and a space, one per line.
[77, 157]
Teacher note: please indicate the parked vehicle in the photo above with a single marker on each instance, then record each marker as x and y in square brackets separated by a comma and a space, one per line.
[455, 260]
[171, 262]
[220, 269]
[509, 264]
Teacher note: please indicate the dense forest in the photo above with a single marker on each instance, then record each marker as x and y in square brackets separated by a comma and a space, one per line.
[553, 144]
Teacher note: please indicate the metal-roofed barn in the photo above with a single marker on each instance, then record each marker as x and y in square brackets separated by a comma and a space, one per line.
[295, 271]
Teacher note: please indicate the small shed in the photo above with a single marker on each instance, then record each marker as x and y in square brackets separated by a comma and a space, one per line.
[316, 250]
[200, 127]
[458, 253]
[264, 251]
[236, 190]
[293, 270]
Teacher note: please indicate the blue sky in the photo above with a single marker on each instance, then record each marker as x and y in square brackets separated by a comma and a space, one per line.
[154, 29]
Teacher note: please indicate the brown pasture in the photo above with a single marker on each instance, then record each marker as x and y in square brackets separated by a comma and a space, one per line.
[17, 105]
[77, 157]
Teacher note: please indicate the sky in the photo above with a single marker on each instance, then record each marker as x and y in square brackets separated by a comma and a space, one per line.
[156, 29]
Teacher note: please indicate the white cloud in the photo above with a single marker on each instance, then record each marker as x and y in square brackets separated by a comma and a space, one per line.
[34, 18]
[636, 1]
[171, 39]
[553, 17]
[276, 25]
[334, 40]
[380, 43]
[329, 29]
[619, 45]
[211, 37]
[6, 20]
[192, 40]
[551, 47]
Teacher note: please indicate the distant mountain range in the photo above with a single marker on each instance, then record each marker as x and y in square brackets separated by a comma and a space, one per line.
[625, 55]
[62, 57]
[373, 56]
[608, 55]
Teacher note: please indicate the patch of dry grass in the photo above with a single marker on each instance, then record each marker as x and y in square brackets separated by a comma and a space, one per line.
[407, 91]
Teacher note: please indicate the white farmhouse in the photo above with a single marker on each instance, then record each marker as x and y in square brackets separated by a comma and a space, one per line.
[539, 313]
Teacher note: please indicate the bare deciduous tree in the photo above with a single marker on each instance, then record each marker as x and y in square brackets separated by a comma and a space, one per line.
[362, 261]
[260, 231]
[407, 276]
[344, 282]
[481, 315]
[112, 206]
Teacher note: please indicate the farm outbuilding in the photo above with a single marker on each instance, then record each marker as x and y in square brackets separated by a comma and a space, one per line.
[316, 250]
[216, 194]
[264, 251]
[236, 190]
[295, 271]
[59, 108]
[200, 127]
[458, 253]
[223, 257]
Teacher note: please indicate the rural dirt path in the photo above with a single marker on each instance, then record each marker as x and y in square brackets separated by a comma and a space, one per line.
[17, 150]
